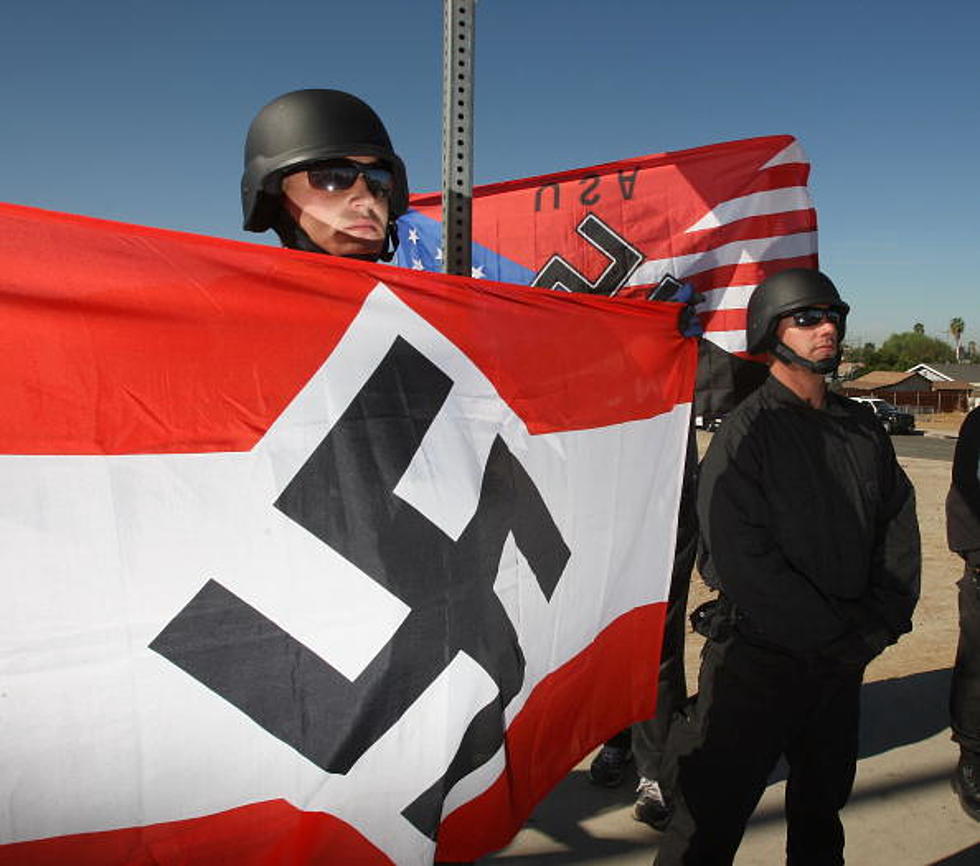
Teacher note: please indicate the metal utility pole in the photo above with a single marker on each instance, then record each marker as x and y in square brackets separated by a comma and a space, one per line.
[457, 135]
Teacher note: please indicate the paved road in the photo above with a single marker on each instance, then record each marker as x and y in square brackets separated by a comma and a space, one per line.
[931, 447]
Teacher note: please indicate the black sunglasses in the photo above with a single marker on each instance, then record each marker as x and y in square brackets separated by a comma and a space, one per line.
[810, 316]
[341, 174]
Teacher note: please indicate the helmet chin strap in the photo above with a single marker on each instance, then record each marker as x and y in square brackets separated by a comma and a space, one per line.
[788, 356]
[391, 243]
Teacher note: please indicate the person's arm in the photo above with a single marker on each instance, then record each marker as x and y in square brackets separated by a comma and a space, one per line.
[742, 558]
[893, 590]
[963, 500]
[884, 612]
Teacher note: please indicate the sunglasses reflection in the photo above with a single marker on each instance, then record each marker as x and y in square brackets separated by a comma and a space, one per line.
[339, 175]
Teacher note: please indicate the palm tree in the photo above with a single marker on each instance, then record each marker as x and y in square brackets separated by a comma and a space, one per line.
[918, 328]
[956, 327]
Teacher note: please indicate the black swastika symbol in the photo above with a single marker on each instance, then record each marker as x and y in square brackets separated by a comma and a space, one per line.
[623, 257]
[343, 495]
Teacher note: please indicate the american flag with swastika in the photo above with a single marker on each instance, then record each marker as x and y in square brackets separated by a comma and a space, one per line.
[721, 217]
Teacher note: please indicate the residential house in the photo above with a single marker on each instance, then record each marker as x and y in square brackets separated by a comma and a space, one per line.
[910, 390]
[953, 378]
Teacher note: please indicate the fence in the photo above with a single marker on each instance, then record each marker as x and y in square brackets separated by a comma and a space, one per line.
[920, 402]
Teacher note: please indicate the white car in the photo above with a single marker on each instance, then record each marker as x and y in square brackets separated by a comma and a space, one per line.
[892, 419]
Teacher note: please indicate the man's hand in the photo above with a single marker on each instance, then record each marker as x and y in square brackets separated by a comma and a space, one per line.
[851, 650]
[676, 292]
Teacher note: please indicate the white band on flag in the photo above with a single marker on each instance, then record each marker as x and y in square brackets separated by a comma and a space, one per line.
[791, 198]
[756, 250]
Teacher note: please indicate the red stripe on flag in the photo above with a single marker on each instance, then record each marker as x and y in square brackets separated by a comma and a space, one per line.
[748, 273]
[724, 320]
[162, 342]
[777, 177]
[765, 147]
[558, 235]
[566, 367]
[748, 228]
[557, 726]
[273, 833]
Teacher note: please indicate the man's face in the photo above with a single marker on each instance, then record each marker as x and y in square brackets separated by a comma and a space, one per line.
[342, 222]
[813, 342]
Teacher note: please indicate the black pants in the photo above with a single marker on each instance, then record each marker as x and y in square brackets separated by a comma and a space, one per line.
[755, 704]
[964, 699]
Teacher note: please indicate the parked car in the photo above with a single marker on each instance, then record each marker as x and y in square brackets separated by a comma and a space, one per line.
[892, 419]
[708, 422]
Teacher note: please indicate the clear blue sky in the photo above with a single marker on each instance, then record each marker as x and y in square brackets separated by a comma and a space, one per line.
[137, 110]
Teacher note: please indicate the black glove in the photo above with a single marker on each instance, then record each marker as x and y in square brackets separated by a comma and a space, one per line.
[676, 292]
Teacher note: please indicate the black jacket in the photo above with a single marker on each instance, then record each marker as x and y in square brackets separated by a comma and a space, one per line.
[808, 525]
[963, 501]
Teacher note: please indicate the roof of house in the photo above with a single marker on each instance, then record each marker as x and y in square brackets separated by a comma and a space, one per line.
[952, 386]
[879, 379]
[961, 372]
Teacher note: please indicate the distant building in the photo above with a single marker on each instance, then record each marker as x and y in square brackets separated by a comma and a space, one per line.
[956, 393]
[953, 377]
[892, 380]
[913, 390]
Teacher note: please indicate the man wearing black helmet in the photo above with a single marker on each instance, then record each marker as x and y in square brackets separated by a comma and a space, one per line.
[320, 170]
[809, 533]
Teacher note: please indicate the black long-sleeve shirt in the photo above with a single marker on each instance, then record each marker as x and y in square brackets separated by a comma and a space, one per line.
[963, 500]
[808, 523]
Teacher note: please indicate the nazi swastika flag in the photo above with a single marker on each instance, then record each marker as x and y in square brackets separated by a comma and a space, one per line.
[314, 561]
[721, 217]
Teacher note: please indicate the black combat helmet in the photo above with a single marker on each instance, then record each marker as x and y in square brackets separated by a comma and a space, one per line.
[784, 293]
[306, 126]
